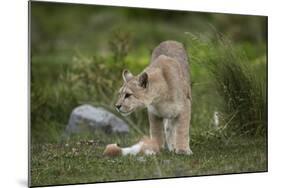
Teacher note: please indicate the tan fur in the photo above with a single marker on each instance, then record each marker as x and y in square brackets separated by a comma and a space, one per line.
[164, 89]
[147, 145]
[112, 150]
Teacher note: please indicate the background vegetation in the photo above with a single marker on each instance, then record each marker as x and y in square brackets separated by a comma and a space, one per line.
[77, 55]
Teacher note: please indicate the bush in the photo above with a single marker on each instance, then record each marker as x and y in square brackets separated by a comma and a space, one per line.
[241, 88]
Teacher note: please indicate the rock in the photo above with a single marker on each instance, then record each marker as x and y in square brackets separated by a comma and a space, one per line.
[87, 117]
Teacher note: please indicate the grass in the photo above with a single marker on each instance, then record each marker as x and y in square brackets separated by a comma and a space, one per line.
[81, 160]
[239, 85]
[243, 92]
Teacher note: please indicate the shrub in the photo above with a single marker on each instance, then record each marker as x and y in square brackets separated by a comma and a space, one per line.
[241, 88]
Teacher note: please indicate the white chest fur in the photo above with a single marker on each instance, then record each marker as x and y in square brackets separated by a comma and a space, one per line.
[166, 109]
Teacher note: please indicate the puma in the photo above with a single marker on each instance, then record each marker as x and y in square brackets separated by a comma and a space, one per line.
[164, 88]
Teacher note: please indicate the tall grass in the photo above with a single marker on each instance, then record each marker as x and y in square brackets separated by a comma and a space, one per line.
[241, 87]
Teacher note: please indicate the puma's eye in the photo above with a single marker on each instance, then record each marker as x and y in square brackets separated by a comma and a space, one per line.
[127, 95]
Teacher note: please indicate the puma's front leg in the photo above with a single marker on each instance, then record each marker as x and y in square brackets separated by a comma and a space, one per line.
[170, 134]
[182, 124]
[156, 129]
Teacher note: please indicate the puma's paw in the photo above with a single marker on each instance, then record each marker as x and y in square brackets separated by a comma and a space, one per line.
[184, 151]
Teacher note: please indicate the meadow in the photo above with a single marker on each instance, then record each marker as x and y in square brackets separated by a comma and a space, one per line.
[77, 56]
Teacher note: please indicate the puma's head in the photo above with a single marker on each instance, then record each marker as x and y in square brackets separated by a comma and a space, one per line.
[134, 93]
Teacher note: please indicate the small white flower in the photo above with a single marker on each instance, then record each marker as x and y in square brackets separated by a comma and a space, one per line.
[216, 119]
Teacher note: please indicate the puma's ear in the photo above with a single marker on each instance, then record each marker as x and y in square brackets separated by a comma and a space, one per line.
[127, 75]
[143, 80]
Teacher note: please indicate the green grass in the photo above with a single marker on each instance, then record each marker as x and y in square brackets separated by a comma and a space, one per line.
[81, 160]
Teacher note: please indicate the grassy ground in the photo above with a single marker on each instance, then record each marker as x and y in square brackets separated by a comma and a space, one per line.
[81, 161]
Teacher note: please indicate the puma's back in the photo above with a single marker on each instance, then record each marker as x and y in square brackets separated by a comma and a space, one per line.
[172, 49]
[176, 51]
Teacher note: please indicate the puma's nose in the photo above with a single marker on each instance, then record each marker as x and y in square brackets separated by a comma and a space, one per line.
[118, 106]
